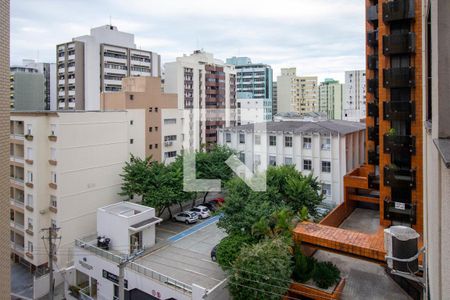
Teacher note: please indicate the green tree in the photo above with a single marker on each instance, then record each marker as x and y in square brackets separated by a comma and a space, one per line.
[135, 177]
[279, 224]
[229, 247]
[261, 271]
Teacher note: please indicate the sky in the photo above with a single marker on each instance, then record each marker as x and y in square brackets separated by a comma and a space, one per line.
[323, 38]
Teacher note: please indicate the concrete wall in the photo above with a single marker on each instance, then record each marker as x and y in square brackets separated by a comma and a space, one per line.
[29, 91]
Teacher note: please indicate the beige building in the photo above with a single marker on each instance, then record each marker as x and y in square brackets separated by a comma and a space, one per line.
[203, 83]
[296, 93]
[4, 142]
[436, 158]
[330, 98]
[63, 166]
[155, 123]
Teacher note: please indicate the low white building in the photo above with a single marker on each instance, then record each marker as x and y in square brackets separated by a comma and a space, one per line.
[328, 149]
[250, 111]
[157, 272]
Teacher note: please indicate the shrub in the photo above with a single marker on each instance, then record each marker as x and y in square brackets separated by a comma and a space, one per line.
[303, 266]
[325, 274]
[229, 247]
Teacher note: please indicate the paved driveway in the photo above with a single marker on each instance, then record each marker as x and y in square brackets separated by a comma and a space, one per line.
[21, 281]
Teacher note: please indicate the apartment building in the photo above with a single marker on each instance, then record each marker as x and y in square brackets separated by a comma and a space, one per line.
[254, 83]
[296, 93]
[354, 98]
[327, 149]
[95, 63]
[205, 86]
[156, 125]
[274, 98]
[330, 98]
[436, 159]
[49, 72]
[27, 88]
[4, 143]
[63, 166]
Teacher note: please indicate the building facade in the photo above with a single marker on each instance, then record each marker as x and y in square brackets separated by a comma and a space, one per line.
[274, 98]
[296, 93]
[156, 125]
[95, 63]
[49, 72]
[313, 147]
[253, 82]
[354, 98]
[63, 166]
[436, 160]
[4, 144]
[330, 98]
[27, 89]
[207, 87]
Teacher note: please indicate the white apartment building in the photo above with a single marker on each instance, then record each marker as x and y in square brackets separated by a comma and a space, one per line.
[63, 166]
[49, 72]
[330, 98]
[354, 103]
[207, 84]
[251, 111]
[296, 93]
[97, 63]
[154, 273]
[327, 149]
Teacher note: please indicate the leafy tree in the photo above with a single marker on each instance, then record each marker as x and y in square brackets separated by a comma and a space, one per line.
[229, 247]
[261, 271]
[279, 224]
[135, 177]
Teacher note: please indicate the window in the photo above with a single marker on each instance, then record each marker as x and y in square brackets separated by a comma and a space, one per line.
[52, 153]
[326, 143]
[156, 146]
[53, 223]
[288, 161]
[306, 143]
[170, 121]
[326, 166]
[30, 153]
[288, 141]
[156, 128]
[227, 137]
[53, 177]
[169, 138]
[30, 223]
[150, 129]
[307, 165]
[241, 138]
[150, 109]
[30, 247]
[53, 202]
[272, 160]
[170, 154]
[150, 146]
[29, 177]
[131, 141]
[326, 189]
[53, 129]
[131, 122]
[242, 157]
[257, 159]
[29, 200]
[272, 140]
[257, 140]
[29, 131]
[131, 97]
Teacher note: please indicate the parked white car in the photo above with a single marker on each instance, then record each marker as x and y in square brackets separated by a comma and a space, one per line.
[187, 217]
[202, 211]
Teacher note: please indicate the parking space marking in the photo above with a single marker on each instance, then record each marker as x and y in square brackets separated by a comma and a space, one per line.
[166, 230]
[194, 229]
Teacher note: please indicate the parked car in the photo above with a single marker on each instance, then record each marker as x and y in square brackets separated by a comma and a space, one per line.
[213, 253]
[210, 205]
[202, 211]
[187, 217]
[218, 201]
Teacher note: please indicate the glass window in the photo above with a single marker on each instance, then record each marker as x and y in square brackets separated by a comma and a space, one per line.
[29, 176]
[30, 153]
[170, 154]
[326, 189]
[272, 140]
[288, 141]
[326, 143]
[241, 138]
[30, 247]
[53, 222]
[227, 137]
[29, 131]
[307, 164]
[53, 177]
[29, 200]
[288, 161]
[306, 143]
[52, 153]
[326, 166]
[242, 157]
[170, 121]
[272, 160]
[257, 140]
[53, 202]
[53, 129]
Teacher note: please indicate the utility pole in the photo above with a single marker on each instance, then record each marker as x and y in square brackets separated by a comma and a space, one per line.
[52, 234]
[122, 265]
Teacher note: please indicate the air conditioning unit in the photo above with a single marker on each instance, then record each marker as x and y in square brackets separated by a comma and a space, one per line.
[401, 243]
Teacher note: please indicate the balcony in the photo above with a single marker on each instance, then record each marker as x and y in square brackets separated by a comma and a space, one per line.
[399, 144]
[372, 13]
[29, 137]
[397, 10]
[373, 134]
[372, 109]
[52, 138]
[373, 181]
[399, 43]
[372, 62]
[399, 78]
[372, 38]
[373, 158]
[399, 178]
[372, 85]
[404, 110]
[399, 211]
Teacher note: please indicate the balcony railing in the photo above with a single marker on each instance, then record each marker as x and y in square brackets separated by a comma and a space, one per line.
[372, 109]
[372, 62]
[373, 181]
[399, 77]
[372, 85]
[373, 134]
[404, 110]
[399, 43]
[399, 178]
[372, 13]
[396, 10]
[399, 144]
[398, 211]
[372, 38]
[373, 158]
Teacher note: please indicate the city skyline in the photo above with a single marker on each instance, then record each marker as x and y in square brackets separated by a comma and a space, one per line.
[326, 38]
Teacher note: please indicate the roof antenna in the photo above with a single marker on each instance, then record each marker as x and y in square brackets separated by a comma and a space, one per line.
[110, 22]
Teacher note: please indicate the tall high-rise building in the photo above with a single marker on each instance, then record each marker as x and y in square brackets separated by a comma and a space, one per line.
[354, 99]
[274, 98]
[4, 149]
[330, 98]
[49, 72]
[436, 126]
[27, 89]
[203, 83]
[95, 63]
[296, 93]
[254, 90]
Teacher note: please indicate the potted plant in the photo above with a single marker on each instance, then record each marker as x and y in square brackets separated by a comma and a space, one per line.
[391, 132]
